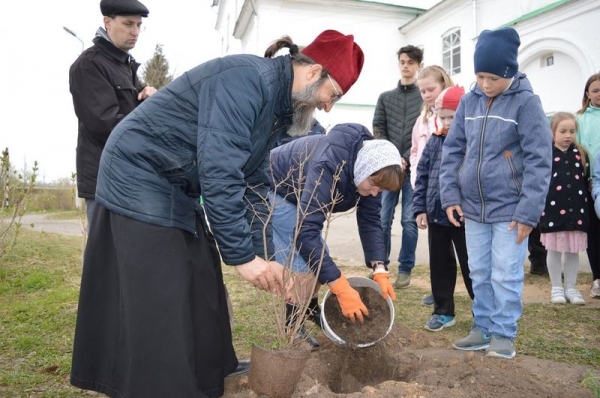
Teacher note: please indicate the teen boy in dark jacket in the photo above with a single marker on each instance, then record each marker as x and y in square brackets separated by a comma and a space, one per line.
[394, 119]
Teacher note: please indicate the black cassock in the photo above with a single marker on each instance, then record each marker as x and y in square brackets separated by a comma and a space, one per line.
[152, 318]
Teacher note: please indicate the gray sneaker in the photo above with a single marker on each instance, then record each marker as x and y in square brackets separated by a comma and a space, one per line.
[501, 347]
[428, 300]
[476, 340]
[403, 281]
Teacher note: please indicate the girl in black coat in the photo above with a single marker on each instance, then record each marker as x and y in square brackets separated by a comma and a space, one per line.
[565, 220]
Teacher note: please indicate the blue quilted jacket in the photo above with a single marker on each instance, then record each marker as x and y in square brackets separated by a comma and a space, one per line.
[208, 132]
[496, 160]
[338, 148]
[426, 195]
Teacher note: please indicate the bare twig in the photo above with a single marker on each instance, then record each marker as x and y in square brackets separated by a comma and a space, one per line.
[285, 334]
[16, 190]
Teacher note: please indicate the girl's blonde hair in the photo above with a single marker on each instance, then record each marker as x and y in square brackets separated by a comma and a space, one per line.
[560, 117]
[585, 102]
[440, 75]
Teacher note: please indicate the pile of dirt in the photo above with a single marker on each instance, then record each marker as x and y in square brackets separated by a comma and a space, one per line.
[420, 364]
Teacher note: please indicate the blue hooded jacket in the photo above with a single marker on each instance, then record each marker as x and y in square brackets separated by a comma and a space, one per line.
[208, 132]
[326, 153]
[426, 195]
[496, 160]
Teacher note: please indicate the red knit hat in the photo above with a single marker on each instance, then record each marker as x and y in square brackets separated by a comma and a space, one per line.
[449, 98]
[339, 55]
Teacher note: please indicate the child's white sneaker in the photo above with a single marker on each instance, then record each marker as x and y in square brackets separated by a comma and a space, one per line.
[558, 296]
[574, 297]
[595, 290]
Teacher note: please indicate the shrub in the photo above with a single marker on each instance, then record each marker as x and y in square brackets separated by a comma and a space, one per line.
[15, 190]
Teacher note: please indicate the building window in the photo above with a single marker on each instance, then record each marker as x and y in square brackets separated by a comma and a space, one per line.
[451, 51]
[550, 60]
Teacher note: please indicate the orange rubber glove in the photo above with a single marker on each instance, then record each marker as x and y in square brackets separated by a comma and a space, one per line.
[383, 280]
[351, 305]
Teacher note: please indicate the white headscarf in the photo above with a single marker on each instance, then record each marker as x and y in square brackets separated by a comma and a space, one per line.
[374, 156]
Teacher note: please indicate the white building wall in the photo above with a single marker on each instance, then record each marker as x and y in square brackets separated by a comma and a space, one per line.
[566, 32]
[427, 33]
[494, 13]
[375, 29]
[558, 93]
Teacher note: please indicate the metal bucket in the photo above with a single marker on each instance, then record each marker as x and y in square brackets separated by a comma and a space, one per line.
[356, 281]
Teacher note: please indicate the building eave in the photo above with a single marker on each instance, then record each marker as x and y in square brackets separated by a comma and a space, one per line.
[364, 4]
[537, 12]
[243, 21]
[427, 14]
[248, 10]
[415, 10]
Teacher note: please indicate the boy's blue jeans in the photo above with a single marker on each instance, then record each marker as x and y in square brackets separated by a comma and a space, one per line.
[410, 233]
[496, 269]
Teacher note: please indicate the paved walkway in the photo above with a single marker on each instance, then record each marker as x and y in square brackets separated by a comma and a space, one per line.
[345, 248]
[343, 240]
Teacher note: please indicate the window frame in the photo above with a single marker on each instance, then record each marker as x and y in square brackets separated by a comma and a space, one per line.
[451, 51]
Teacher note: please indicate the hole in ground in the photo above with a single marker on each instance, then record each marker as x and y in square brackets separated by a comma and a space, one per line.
[351, 370]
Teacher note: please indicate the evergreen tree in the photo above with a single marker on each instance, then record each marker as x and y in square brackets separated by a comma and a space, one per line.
[156, 70]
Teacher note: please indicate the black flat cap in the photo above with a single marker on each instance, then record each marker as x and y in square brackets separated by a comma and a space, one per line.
[123, 7]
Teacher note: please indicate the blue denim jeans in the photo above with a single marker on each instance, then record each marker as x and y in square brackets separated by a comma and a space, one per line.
[283, 221]
[410, 233]
[496, 269]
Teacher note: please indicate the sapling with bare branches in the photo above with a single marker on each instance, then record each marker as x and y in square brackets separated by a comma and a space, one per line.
[287, 331]
[16, 190]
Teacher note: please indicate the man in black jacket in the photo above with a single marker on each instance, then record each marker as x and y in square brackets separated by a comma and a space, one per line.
[395, 115]
[105, 88]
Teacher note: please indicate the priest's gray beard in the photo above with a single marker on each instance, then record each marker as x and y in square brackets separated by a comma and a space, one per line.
[304, 103]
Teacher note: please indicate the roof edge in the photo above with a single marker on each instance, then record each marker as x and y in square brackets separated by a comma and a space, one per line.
[535, 13]
[413, 9]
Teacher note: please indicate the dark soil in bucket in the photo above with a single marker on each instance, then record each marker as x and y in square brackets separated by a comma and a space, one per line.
[375, 325]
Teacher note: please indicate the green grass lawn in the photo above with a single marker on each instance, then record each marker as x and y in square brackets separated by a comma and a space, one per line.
[39, 283]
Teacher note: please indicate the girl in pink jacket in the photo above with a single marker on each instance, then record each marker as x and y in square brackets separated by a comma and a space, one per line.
[432, 81]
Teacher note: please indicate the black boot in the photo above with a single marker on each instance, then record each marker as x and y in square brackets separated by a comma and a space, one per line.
[302, 334]
[314, 312]
[242, 368]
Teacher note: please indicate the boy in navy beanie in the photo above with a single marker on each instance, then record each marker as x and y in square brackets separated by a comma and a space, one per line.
[495, 173]
[496, 52]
